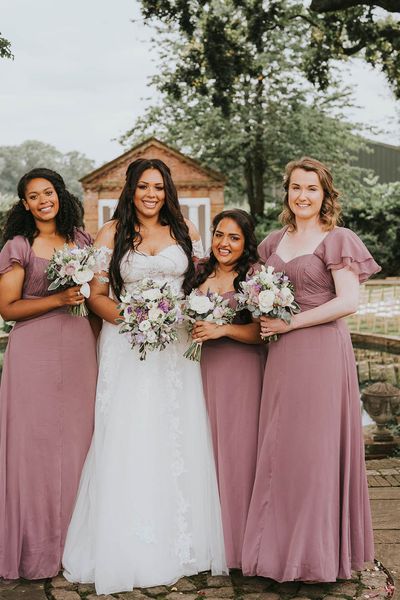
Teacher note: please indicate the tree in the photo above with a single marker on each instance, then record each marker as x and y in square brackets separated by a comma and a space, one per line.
[17, 160]
[261, 113]
[5, 48]
[329, 29]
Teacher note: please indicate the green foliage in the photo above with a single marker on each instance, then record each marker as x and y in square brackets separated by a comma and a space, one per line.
[235, 97]
[17, 160]
[376, 219]
[5, 48]
[226, 37]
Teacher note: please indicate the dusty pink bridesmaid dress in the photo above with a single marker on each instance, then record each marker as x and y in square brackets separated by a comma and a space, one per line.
[232, 374]
[46, 420]
[309, 517]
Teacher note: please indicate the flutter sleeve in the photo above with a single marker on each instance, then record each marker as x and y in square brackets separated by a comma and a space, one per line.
[83, 238]
[15, 251]
[343, 248]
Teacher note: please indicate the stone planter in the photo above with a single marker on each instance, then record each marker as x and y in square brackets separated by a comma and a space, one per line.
[381, 401]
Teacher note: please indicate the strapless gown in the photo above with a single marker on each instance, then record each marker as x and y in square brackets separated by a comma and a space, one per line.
[148, 510]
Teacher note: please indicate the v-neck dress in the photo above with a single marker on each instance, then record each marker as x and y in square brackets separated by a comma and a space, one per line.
[232, 374]
[47, 398]
[309, 517]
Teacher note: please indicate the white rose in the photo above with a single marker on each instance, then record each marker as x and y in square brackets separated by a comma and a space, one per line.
[151, 337]
[287, 296]
[266, 300]
[266, 277]
[151, 294]
[154, 314]
[145, 325]
[83, 276]
[200, 304]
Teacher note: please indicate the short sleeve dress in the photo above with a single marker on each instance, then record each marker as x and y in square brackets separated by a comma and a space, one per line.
[232, 374]
[309, 516]
[46, 422]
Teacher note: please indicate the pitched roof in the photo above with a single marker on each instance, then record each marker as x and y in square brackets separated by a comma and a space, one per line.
[152, 141]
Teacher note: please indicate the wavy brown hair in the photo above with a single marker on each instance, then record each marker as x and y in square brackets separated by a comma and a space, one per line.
[330, 210]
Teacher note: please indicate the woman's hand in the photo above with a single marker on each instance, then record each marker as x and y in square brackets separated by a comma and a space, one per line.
[274, 326]
[203, 331]
[71, 296]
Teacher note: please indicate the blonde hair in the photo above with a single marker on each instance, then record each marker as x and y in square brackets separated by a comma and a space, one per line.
[330, 210]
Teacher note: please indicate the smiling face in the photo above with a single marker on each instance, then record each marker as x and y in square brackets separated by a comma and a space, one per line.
[228, 242]
[149, 194]
[305, 194]
[41, 199]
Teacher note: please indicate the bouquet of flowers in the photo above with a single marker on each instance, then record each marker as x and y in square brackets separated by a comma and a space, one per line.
[270, 294]
[205, 307]
[77, 266]
[149, 316]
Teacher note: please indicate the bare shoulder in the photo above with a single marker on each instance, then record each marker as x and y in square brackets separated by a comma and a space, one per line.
[105, 236]
[193, 232]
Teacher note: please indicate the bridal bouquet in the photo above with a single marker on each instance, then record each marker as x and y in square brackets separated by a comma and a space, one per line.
[205, 307]
[268, 293]
[149, 316]
[77, 266]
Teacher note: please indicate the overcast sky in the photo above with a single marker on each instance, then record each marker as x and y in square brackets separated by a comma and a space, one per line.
[80, 74]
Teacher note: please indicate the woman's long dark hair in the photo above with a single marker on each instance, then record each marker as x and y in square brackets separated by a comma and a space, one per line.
[127, 233]
[247, 259]
[21, 222]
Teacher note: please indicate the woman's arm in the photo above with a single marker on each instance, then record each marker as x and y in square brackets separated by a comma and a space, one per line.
[193, 232]
[345, 303]
[14, 308]
[248, 333]
[99, 302]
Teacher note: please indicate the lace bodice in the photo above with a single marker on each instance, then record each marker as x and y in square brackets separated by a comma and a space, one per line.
[169, 265]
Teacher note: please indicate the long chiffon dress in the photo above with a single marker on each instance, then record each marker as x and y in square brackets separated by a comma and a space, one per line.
[309, 516]
[46, 421]
[232, 374]
[147, 511]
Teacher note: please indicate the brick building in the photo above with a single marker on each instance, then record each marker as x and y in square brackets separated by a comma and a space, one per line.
[200, 189]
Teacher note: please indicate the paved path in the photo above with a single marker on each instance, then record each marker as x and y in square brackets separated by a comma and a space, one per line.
[371, 584]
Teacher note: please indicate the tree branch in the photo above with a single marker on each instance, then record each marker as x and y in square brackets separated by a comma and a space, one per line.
[332, 5]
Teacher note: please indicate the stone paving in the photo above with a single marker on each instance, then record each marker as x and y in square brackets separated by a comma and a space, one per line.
[371, 584]
[375, 582]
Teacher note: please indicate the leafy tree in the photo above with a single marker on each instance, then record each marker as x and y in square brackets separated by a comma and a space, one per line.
[224, 35]
[5, 48]
[17, 160]
[269, 119]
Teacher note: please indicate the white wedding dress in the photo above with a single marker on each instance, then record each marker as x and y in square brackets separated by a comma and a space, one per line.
[147, 511]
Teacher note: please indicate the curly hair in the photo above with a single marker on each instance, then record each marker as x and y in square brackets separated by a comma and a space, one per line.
[330, 210]
[249, 256]
[127, 232]
[20, 221]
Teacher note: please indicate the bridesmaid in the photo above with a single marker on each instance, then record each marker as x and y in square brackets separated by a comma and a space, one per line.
[48, 384]
[232, 367]
[309, 516]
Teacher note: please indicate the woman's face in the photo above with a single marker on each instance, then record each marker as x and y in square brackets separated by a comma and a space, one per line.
[305, 194]
[41, 199]
[228, 242]
[149, 194]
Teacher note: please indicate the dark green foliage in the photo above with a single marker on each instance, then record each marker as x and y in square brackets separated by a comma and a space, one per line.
[330, 30]
[5, 48]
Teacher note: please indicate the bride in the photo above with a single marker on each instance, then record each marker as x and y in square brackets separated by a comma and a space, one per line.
[147, 511]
